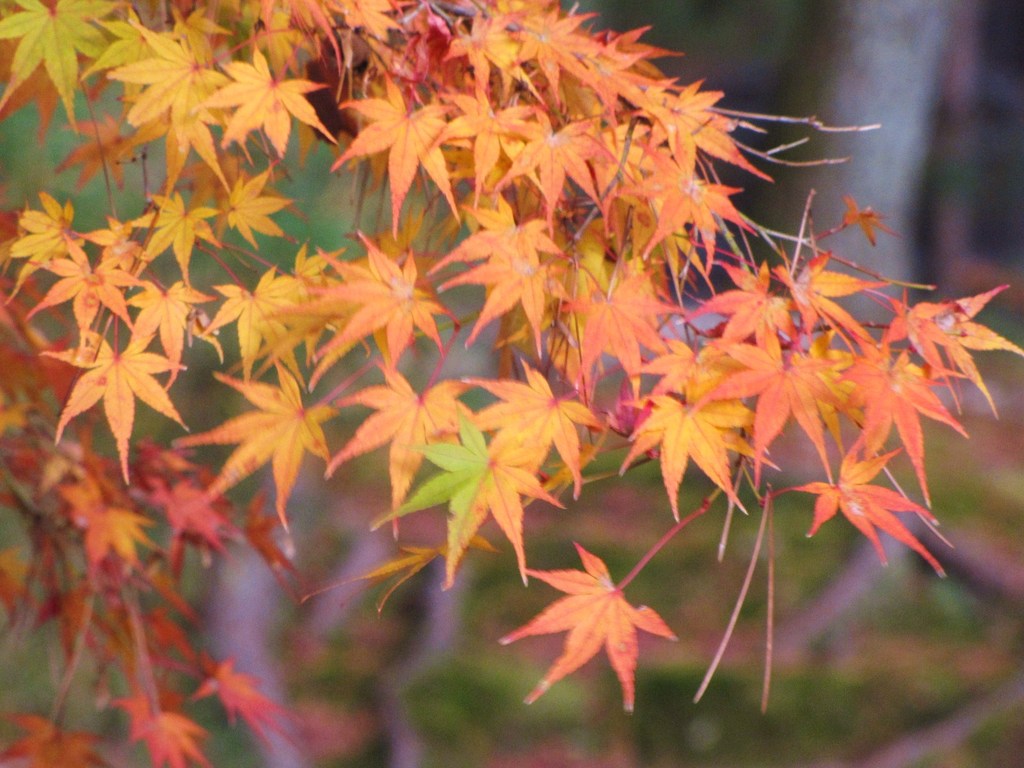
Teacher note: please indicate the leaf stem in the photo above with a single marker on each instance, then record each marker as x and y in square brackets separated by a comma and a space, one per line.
[705, 505]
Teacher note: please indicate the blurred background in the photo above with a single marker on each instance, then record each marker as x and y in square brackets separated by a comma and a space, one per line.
[884, 667]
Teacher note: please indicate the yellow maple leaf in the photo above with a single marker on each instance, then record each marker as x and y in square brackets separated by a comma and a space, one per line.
[177, 226]
[266, 102]
[53, 36]
[249, 209]
[281, 431]
[258, 315]
[177, 81]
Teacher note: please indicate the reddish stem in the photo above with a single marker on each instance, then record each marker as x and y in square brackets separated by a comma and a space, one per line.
[664, 540]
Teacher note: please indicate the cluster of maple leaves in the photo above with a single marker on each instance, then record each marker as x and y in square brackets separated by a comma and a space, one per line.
[552, 196]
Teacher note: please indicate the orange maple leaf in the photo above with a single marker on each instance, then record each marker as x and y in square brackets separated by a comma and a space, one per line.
[108, 528]
[106, 149]
[540, 418]
[893, 390]
[388, 295]
[281, 431]
[118, 377]
[686, 122]
[170, 736]
[621, 320]
[682, 201]
[258, 316]
[751, 308]
[265, 101]
[594, 613]
[404, 419]
[413, 138]
[705, 431]
[813, 289]
[87, 287]
[46, 234]
[865, 218]
[946, 330]
[45, 745]
[249, 209]
[177, 226]
[490, 132]
[514, 271]
[787, 383]
[170, 313]
[868, 506]
[549, 156]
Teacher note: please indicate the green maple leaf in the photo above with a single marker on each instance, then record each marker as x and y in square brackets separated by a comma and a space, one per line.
[477, 479]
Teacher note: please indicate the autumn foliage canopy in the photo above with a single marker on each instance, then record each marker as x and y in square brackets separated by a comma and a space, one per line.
[526, 191]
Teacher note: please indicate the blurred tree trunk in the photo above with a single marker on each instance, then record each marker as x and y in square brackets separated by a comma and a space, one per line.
[872, 61]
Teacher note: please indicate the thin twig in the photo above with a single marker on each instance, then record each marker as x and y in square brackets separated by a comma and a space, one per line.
[735, 611]
[812, 121]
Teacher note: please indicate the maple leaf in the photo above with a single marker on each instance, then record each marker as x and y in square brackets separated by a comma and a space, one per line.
[813, 289]
[240, 695]
[892, 390]
[621, 320]
[552, 43]
[44, 745]
[86, 287]
[107, 149]
[249, 209]
[170, 736]
[281, 431]
[46, 234]
[681, 200]
[947, 330]
[264, 101]
[191, 515]
[514, 270]
[178, 81]
[751, 308]
[53, 36]
[177, 226]
[477, 479]
[540, 418]
[413, 138]
[595, 613]
[388, 295]
[169, 312]
[867, 506]
[704, 431]
[686, 122]
[554, 155]
[489, 42]
[407, 563]
[786, 384]
[108, 528]
[257, 315]
[118, 377]
[490, 130]
[404, 419]
[865, 218]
